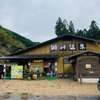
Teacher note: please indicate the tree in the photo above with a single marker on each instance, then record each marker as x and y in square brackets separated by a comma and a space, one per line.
[93, 31]
[82, 33]
[65, 27]
[71, 28]
[61, 27]
[79, 33]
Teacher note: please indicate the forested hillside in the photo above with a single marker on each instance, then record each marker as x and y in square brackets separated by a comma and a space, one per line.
[10, 41]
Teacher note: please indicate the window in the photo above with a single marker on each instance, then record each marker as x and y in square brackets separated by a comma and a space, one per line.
[66, 60]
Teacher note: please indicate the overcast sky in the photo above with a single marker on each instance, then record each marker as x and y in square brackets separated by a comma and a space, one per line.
[36, 19]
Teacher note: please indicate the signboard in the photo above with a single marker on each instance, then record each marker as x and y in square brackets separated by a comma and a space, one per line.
[16, 71]
[81, 46]
[37, 61]
[91, 72]
[88, 66]
[72, 47]
[63, 47]
[53, 47]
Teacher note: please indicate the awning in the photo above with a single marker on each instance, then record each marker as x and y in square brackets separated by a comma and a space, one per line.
[43, 56]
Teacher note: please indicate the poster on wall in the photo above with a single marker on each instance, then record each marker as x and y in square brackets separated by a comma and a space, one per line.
[17, 71]
[46, 64]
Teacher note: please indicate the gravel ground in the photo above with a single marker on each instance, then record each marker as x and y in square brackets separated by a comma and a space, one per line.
[49, 88]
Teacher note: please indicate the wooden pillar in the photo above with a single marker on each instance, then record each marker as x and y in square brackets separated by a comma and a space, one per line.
[76, 71]
[80, 78]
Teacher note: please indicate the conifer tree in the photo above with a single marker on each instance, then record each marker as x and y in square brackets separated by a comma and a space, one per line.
[71, 28]
[61, 27]
[93, 31]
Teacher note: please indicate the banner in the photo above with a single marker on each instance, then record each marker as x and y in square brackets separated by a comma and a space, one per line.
[17, 71]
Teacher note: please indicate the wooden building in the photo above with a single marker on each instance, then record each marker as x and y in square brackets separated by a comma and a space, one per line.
[67, 54]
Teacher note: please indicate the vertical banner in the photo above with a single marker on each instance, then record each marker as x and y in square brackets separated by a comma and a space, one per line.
[17, 71]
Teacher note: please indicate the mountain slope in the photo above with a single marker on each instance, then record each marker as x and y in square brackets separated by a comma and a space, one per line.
[9, 41]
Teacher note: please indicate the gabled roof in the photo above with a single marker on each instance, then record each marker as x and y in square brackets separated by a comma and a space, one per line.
[52, 40]
[82, 53]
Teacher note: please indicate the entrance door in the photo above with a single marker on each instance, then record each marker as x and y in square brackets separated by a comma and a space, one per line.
[49, 68]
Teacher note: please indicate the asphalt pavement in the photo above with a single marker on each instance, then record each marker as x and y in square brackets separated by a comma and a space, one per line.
[38, 97]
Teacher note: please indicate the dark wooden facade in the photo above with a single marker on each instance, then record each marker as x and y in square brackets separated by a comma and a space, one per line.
[88, 66]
